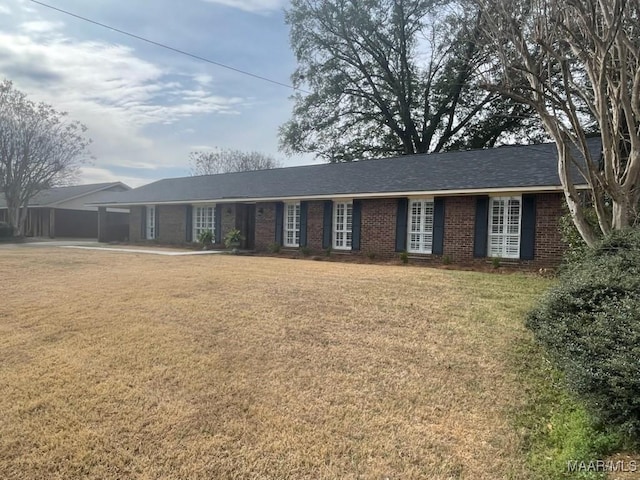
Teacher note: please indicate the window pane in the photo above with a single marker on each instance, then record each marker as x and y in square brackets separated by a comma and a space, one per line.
[343, 224]
[421, 226]
[504, 227]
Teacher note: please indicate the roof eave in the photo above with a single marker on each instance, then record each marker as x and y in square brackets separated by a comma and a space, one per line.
[370, 195]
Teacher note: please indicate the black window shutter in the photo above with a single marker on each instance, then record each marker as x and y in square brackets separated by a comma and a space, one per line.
[143, 225]
[438, 226]
[355, 224]
[528, 227]
[189, 223]
[482, 223]
[401, 224]
[218, 221]
[157, 222]
[304, 209]
[327, 223]
[279, 222]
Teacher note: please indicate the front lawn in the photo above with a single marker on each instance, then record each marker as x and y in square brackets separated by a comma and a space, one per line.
[124, 365]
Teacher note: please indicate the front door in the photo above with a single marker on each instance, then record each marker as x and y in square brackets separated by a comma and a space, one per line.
[246, 223]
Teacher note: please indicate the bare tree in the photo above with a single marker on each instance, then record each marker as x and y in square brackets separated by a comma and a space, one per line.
[39, 148]
[389, 77]
[577, 64]
[228, 161]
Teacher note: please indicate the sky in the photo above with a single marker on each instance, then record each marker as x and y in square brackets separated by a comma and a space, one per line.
[147, 108]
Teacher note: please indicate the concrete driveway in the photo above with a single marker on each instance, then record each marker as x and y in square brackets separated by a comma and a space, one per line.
[50, 242]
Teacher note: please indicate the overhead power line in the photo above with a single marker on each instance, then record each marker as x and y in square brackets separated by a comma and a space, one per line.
[168, 47]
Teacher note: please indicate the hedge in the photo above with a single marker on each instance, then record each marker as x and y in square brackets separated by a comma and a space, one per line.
[590, 324]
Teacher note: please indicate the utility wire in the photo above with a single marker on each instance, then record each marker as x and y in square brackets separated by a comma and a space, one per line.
[173, 49]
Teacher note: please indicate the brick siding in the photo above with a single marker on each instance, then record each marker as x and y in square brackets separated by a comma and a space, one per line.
[265, 225]
[378, 227]
[549, 246]
[172, 226]
[459, 226]
[315, 216]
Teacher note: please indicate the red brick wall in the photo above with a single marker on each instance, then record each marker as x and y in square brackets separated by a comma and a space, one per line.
[378, 227]
[315, 215]
[549, 246]
[459, 225]
[265, 225]
[172, 226]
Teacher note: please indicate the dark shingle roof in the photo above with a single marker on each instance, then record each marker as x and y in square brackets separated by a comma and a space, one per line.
[503, 167]
[61, 194]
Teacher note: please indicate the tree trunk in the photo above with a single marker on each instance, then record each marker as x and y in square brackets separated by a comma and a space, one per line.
[620, 214]
[14, 218]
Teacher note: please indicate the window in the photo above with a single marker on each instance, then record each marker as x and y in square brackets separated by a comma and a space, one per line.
[151, 222]
[204, 218]
[342, 225]
[504, 227]
[420, 226]
[292, 225]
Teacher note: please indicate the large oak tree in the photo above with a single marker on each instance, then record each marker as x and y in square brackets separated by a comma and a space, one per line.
[388, 77]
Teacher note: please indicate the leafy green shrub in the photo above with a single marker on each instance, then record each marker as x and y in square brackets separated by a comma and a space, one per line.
[6, 230]
[305, 251]
[273, 247]
[404, 257]
[205, 238]
[446, 260]
[233, 238]
[371, 255]
[495, 262]
[576, 246]
[327, 251]
[590, 325]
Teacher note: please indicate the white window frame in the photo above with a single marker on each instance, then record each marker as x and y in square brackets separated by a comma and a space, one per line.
[150, 227]
[204, 218]
[420, 219]
[342, 225]
[291, 225]
[503, 232]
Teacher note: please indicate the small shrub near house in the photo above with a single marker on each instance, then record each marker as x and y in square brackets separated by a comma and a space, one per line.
[205, 238]
[273, 247]
[590, 325]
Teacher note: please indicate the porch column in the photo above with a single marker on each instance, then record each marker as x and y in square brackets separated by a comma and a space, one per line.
[52, 222]
[102, 225]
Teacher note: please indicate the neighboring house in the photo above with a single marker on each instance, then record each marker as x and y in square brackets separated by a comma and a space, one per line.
[467, 206]
[63, 212]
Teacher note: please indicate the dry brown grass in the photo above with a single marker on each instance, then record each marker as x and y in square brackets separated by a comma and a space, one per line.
[136, 366]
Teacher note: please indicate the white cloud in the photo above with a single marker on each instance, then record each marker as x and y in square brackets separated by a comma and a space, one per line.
[115, 93]
[39, 26]
[103, 175]
[252, 5]
[110, 78]
[4, 10]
